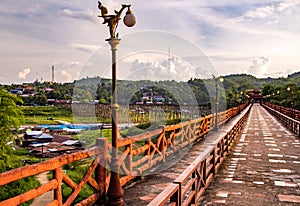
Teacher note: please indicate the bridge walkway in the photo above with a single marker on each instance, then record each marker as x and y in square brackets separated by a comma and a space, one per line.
[262, 169]
[144, 190]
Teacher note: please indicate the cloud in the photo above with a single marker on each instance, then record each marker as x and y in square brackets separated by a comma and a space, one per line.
[67, 71]
[23, 74]
[259, 67]
[282, 73]
[77, 15]
[66, 76]
[219, 28]
[283, 8]
[85, 47]
[173, 69]
[75, 64]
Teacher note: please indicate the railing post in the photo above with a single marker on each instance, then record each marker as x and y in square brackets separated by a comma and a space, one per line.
[214, 162]
[227, 143]
[204, 173]
[176, 198]
[58, 175]
[129, 159]
[100, 172]
[148, 151]
[161, 146]
[194, 188]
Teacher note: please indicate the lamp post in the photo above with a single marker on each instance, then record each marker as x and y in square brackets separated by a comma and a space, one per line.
[217, 82]
[115, 192]
[240, 101]
[287, 102]
[291, 103]
[278, 102]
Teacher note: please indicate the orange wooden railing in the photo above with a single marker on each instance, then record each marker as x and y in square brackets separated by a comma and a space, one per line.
[284, 116]
[188, 187]
[290, 112]
[134, 157]
[59, 177]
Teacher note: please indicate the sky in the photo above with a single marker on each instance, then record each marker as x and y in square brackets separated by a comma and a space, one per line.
[261, 38]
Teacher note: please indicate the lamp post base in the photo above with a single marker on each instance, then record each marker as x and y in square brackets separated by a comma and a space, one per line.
[115, 191]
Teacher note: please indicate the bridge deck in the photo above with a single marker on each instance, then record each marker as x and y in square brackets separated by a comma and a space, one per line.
[263, 169]
[149, 186]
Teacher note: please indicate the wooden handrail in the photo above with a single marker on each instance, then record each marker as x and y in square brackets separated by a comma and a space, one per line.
[284, 117]
[293, 113]
[48, 165]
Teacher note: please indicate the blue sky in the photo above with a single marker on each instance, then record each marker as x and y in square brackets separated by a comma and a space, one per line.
[262, 39]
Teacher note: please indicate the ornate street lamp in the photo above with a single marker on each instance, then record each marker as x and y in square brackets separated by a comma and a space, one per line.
[115, 192]
[218, 80]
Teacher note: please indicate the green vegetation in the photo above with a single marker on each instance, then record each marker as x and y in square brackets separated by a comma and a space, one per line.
[21, 186]
[143, 127]
[18, 187]
[287, 96]
[76, 171]
[10, 119]
[89, 136]
[46, 114]
[130, 92]
[23, 155]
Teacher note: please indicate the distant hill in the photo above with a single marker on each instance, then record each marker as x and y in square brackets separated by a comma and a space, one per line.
[294, 75]
[97, 88]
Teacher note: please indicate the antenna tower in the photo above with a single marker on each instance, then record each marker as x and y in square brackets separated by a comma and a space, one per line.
[169, 60]
[52, 74]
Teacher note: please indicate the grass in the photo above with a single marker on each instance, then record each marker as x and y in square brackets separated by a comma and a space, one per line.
[46, 114]
[22, 185]
[90, 136]
[21, 154]
[43, 120]
[76, 171]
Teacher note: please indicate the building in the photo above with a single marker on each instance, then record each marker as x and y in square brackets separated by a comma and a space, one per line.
[255, 96]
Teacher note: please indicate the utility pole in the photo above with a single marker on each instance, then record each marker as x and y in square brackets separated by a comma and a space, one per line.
[52, 74]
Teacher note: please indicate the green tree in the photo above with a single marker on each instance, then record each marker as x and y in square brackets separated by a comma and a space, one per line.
[40, 99]
[267, 90]
[27, 100]
[11, 118]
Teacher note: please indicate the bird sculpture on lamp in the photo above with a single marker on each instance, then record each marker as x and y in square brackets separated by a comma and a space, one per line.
[113, 20]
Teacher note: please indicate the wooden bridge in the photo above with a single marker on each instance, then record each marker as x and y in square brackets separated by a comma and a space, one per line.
[186, 179]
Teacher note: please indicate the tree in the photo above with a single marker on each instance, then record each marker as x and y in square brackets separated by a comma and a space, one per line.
[11, 118]
[40, 99]
[267, 89]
